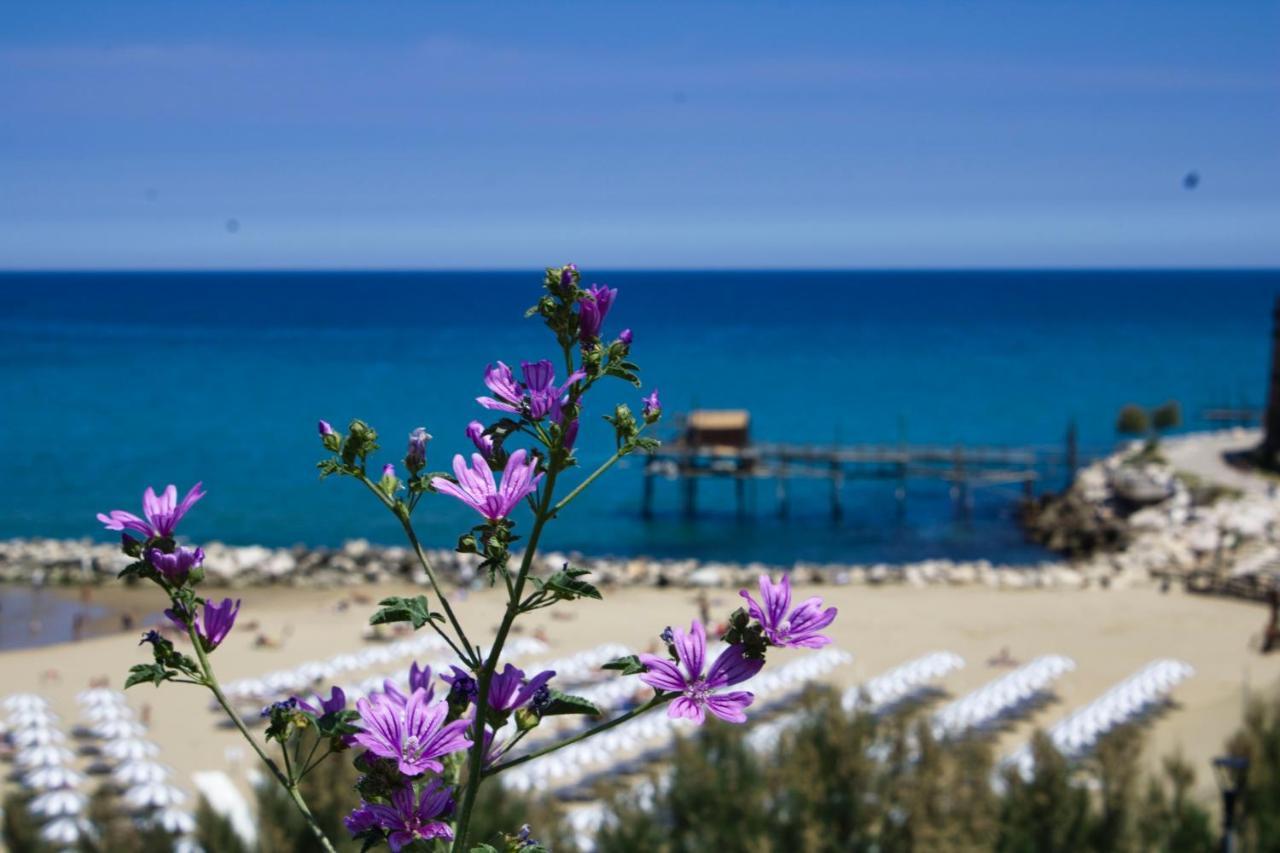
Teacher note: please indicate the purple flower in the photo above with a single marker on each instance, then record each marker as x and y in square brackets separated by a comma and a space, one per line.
[416, 456]
[538, 395]
[476, 488]
[462, 687]
[509, 690]
[592, 310]
[409, 818]
[217, 622]
[625, 337]
[697, 692]
[176, 566]
[324, 428]
[389, 482]
[797, 630]
[415, 735]
[162, 513]
[652, 408]
[507, 393]
[419, 679]
[483, 443]
[323, 707]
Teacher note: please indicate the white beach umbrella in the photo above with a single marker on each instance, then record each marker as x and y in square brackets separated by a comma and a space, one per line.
[58, 802]
[108, 711]
[51, 777]
[119, 729]
[48, 755]
[154, 795]
[61, 831]
[139, 773]
[100, 696]
[38, 737]
[175, 821]
[24, 702]
[130, 749]
[32, 718]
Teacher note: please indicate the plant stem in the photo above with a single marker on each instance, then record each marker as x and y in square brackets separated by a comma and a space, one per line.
[656, 701]
[467, 657]
[211, 681]
[609, 463]
[475, 764]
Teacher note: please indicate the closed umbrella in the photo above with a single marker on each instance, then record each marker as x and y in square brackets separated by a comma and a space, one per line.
[60, 802]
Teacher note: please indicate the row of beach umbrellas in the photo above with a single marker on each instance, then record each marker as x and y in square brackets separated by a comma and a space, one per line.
[1076, 735]
[1000, 698]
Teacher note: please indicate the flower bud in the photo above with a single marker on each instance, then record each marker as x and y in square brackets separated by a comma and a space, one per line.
[328, 437]
[625, 337]
[416, 456]
[527, 720]
[483, 443]
[389, 482]
[652, 411]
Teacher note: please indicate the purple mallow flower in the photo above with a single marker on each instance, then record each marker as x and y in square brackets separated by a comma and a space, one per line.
[414, 735]
[625, 337]
[176, 566]
[652, 407]
[477, 489]
[162, 513]
[592, 310]
[800, 628]
[419, 679]
[416, 456]
[538, 394]
[698, 692]
[324, 428]
[483, 443]
[216, 625]
[410, 817]
[322, 707]
[463, 689]
[509, 690]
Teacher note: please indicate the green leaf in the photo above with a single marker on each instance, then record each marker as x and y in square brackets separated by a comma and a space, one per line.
[629, 665]
[565, 585]
[563, 703]
[484, 848]
[134, 570]
[401, 609]
[148, 672]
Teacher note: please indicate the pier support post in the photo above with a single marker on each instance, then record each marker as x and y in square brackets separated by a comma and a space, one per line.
[690, 494]
[837, 481]
[646, 506]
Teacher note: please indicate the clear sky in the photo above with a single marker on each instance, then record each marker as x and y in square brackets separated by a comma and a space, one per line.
[849, 134]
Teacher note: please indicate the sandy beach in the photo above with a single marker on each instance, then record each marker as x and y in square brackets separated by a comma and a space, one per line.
[1109, 633]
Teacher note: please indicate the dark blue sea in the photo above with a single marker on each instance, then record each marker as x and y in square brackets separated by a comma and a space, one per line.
[110, 382]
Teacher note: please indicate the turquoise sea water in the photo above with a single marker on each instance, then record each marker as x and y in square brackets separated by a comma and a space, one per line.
[110, 382]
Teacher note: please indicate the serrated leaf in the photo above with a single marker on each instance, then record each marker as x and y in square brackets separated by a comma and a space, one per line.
[401, 609]
[565, 585]
[629, 665]
[148, 672]
[563, 703]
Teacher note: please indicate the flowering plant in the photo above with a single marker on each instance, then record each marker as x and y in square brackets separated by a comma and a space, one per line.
[424, 756]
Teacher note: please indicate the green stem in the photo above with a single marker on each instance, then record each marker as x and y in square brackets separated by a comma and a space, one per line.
[467, 656]
[658, 700]
[211, 681]
[475, 764]
[609, 463]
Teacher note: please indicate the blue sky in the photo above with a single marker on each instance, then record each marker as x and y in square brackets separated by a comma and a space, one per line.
[853, 134]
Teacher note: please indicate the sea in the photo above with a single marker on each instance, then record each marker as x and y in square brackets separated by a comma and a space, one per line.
[113, 381]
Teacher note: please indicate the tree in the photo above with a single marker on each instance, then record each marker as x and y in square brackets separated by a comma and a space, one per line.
[1133, 420]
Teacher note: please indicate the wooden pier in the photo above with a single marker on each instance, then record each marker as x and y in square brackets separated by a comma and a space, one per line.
[716, 445]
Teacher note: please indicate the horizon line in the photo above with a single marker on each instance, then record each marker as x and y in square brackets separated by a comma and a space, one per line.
[339, 270]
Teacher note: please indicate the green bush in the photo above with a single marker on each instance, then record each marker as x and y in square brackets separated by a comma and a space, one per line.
[1133, 420]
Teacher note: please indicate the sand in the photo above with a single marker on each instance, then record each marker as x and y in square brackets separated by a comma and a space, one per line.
[1108, 633]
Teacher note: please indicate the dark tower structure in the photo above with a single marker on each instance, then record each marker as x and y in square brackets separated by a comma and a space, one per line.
[1270, 449]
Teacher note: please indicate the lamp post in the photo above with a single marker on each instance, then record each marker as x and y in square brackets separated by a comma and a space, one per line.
[1230, 772]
